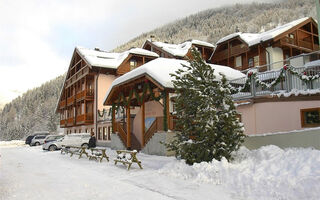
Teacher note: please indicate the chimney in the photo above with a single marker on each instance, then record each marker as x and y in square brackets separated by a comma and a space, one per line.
[152, 37]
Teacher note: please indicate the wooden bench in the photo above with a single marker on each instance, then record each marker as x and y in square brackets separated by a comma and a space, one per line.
[74, 150]
[64, 150]
[127, 157]
[98, 153]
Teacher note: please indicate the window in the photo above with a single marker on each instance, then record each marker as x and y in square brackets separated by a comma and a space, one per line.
[105, 133]
[109, 131]
[250, 62]
[133, 64]
[310, 117]
[238, 61]
[99, 133]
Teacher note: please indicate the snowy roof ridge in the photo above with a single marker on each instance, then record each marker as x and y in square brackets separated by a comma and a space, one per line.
[100, 58]
[160, 69]
[180, 49]
[255, 38]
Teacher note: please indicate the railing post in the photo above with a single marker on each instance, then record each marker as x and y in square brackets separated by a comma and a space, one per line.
[253, 86]
[288, 78]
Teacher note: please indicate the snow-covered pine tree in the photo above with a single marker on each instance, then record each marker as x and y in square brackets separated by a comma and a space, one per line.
[207, 123]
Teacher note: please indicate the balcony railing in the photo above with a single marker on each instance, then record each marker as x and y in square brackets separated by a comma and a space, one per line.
[85, 94]
[286, 84]
[63, 123]
[62, 104]
[301, 43]
[238, 49]
[70, 100]
[70, 121]
[84, 119]
[221, 55]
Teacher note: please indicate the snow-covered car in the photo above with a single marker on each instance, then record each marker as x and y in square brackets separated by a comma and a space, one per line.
[74, 139]
[38, 140]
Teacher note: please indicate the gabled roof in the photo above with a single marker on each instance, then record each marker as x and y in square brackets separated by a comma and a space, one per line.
[99, 58]
[161, 68]
[179, 50]
[255, 38]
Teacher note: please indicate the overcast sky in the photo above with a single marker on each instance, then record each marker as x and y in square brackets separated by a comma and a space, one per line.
[37, 37]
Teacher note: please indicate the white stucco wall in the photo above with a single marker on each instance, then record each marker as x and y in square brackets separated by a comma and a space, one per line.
[276, 55]
[272, 117]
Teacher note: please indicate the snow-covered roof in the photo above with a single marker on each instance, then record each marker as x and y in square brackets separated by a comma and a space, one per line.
[105, 59]
[180, 49]
[161, 68]
[255, 38]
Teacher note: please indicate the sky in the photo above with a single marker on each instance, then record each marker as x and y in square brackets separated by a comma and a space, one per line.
[37, 37]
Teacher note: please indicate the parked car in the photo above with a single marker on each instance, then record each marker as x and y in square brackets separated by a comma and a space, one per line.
[30, 137]
[74, 139]
[53, 145]
[38, 140]
[51, 138]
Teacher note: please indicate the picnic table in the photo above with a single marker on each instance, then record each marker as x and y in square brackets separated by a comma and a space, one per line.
[78, 150]
[127, 158]
[98, 153]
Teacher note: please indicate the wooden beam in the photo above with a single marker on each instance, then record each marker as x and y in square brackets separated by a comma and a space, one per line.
[246, 61]
[128, 126]
[259, 54]
[228, 54]
[312, 40]
[167, 108]
[143, 122]
[113, 120]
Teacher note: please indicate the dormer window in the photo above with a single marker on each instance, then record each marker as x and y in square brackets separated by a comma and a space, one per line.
[133, 64]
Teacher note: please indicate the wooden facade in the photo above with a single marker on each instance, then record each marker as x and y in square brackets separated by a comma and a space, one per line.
[205, 51]
[78, 99]
[238, 54]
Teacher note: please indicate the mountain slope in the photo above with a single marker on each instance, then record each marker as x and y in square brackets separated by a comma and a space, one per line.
[33, 111]
[213, 24]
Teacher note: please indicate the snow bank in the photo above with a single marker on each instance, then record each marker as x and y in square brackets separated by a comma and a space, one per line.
[12, 143]
[266, 173]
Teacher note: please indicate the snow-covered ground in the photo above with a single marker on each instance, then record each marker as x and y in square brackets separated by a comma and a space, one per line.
[268, 173]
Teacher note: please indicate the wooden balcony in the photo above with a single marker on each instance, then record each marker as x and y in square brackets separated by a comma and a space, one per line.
[70, 121]
[221, 55]
[238, 49]
[77, 76]
[85, 94]
[304, 44]
[63, 123]
[62, 104]
[301, 43]
[84, 119]
[70, 100]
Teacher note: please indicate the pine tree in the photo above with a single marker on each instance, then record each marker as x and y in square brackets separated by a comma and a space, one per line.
[206, 116]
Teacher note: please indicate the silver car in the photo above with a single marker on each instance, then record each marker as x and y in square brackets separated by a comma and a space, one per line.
[75, 139]
[38, 140]
[53, 145]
